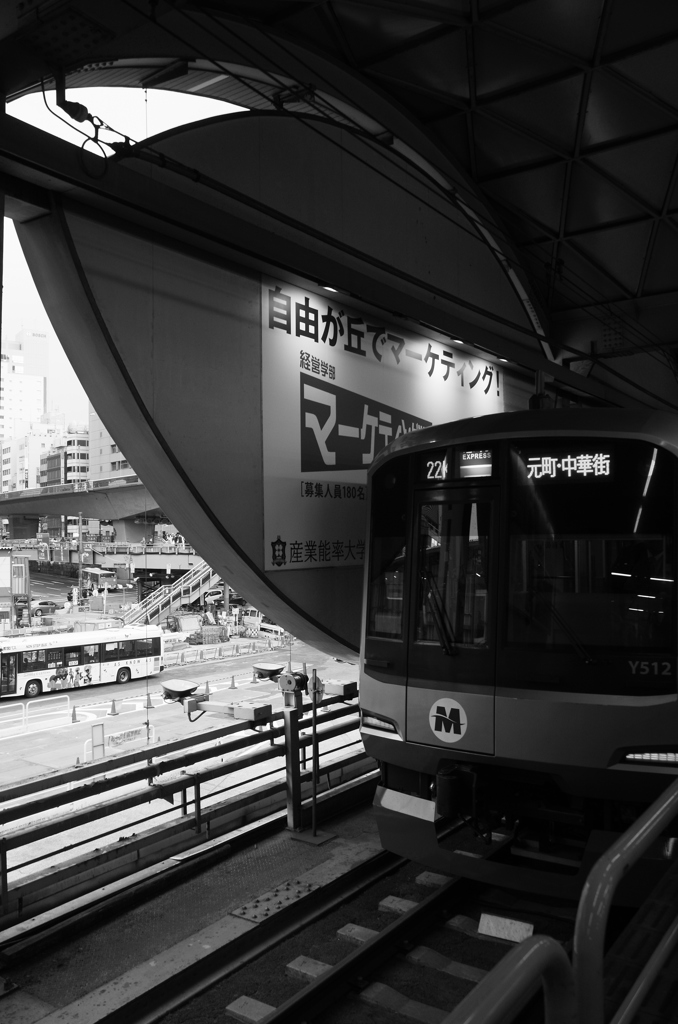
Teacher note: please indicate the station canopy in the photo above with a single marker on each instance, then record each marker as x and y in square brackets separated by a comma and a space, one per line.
[560, 117]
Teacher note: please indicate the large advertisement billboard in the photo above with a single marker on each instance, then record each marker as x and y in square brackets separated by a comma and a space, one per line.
[337, 386]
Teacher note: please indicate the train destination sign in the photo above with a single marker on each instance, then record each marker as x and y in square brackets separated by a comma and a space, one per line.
[571, 466]
[456, 464]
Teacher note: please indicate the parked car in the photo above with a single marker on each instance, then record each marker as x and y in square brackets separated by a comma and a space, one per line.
[43, 608]
[214, 596]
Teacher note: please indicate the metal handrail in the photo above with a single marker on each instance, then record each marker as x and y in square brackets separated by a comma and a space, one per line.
[162, 599]
[594, 908]
[503, 990]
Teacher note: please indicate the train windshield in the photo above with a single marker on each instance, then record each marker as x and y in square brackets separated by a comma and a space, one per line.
[591, 544]
[453, 567]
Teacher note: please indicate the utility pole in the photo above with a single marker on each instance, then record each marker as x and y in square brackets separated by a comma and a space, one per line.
[79, 558]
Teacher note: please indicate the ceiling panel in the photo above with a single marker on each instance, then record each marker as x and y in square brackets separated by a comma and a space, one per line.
[644, 168]
[619, 250]
[594, 200]
[548, 113]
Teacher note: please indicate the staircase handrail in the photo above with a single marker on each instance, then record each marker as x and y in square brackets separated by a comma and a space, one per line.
[165, 596]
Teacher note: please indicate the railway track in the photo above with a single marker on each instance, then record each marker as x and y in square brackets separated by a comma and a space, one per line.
[395, 943]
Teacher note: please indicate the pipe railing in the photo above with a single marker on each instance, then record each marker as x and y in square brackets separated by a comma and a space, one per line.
[576, 994]
[197, 769]
[188, 586]
[594, 909]
[539, 959]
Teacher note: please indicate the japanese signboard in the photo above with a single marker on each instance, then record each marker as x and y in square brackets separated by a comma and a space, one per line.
[337, 387]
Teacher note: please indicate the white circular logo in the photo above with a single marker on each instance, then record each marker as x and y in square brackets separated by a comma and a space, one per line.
[448, 720]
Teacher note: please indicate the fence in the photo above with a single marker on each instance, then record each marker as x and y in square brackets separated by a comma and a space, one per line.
[223, 780]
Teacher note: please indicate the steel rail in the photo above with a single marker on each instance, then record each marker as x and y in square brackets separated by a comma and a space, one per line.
[212, 969]
[350, 972]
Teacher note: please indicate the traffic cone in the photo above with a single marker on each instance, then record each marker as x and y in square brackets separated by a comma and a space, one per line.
[74, 716]
[207, 687]
[254, 676]
[113, 710]
[232, 686]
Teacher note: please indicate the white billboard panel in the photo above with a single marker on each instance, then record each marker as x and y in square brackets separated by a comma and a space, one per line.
[337, 386]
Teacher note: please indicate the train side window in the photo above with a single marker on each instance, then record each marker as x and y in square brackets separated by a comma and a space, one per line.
[453, 573]
[387, 554]
[592, 553]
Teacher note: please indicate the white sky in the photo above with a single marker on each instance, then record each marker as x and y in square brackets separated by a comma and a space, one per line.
[134, 112]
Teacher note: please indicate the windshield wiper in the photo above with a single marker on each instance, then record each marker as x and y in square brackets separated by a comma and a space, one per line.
[440, 617]
[586, 657]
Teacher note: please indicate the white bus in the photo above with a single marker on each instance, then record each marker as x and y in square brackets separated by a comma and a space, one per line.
[93, 576]
[31, 665]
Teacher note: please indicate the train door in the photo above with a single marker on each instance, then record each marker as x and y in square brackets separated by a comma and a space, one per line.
[451, 649]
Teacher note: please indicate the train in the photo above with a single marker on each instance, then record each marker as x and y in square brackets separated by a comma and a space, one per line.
[518, 654]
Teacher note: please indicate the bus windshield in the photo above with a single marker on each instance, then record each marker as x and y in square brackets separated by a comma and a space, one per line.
[591, 544]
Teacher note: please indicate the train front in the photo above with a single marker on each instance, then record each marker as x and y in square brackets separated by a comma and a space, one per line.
[518, 672]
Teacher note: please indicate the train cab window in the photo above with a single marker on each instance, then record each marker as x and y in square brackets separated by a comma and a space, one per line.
[452, 573]
[387, 553]
[592, 545]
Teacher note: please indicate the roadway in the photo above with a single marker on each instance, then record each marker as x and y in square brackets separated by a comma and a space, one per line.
[52, 732]
[46, 586]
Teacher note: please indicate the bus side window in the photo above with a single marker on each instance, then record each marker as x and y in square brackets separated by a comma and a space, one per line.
[109, 652]
[55, 658]
[126, 648]
[72, 656]
[32, 661]
[143, 648]
[90, 654]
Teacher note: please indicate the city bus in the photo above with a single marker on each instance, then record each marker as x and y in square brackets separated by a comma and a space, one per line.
[31, 665]
[94, 577]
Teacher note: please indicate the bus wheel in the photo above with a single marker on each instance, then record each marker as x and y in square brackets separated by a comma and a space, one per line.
[123, 676]
[33, 688]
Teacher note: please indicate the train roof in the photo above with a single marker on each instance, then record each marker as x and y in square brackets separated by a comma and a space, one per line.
[95, 636]
[659, 428]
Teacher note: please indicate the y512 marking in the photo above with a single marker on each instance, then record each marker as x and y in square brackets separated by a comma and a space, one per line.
[650, 668]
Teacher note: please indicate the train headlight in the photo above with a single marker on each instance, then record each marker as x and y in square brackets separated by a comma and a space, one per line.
[368, 720]
[652, 757]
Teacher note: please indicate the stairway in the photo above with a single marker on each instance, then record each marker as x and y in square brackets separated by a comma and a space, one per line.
[163, 601]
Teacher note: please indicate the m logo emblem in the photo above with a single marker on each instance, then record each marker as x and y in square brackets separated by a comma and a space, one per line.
[447, 719]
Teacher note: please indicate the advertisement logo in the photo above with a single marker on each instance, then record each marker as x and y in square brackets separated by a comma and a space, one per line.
[448, 720]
